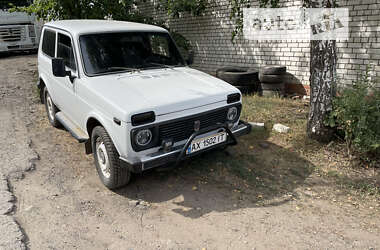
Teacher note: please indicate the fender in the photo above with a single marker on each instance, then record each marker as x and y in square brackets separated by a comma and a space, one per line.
[112, 129]
[47, 85]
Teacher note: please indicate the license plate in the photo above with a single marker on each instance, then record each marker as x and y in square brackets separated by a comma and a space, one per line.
[206, 142]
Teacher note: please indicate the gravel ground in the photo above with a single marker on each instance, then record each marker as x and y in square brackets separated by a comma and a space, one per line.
[61, 204]
[17, 155]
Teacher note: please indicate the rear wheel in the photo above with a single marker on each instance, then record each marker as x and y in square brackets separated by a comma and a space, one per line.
[107, 162]
[51, 109]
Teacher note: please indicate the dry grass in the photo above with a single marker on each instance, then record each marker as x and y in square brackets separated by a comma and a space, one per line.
[274, 164]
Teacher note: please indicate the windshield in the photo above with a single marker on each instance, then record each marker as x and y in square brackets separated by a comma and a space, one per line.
[127, 51]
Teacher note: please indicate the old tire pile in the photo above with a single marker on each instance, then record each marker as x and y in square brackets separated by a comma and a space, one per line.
[246, 79]
[272, 79]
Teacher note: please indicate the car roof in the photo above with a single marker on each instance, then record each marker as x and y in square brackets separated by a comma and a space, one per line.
[85, 26]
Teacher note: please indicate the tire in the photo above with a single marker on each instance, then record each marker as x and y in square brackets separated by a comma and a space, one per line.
[273, 90]
[278, 86]
[272, 93]
[273, 78]
[248, 89]
[110, 170]
[273, 70]
[51, 109]
[238, 76]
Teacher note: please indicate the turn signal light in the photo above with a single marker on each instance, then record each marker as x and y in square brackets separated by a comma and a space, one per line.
[233, 98]
[143, 118]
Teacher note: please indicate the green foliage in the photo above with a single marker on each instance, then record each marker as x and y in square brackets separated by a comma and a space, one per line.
[269, 3]
[320, 4]
[5, 4]
[356, 112]
[123, 10]
[43, 9]
[84, 9]
[175, 7]
[236, 15]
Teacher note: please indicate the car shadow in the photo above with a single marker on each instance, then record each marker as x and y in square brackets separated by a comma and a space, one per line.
[254, 173]
[9, 54]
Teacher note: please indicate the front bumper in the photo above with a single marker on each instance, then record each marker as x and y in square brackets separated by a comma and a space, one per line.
[178, 153]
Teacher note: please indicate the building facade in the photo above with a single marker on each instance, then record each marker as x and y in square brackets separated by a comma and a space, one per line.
[210, 36]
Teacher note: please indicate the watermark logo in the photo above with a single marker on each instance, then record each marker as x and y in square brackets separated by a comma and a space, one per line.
[296, 24]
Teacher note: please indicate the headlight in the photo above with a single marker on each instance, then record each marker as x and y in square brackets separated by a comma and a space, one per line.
[143, 137]
[232, 114]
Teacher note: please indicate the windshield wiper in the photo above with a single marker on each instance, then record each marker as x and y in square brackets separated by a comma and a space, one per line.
[124, 68]
[115, 69]
[162, 65]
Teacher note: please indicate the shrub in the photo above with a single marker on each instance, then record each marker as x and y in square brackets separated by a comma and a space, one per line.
[356, 114]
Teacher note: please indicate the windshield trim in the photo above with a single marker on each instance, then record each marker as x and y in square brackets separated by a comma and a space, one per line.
[125, 71]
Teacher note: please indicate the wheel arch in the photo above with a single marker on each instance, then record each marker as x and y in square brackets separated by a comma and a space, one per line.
[41, 86]
[93, 121]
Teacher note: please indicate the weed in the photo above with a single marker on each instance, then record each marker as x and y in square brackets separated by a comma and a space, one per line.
[356, 112]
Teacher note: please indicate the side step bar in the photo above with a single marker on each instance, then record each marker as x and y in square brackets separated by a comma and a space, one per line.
[74, 130]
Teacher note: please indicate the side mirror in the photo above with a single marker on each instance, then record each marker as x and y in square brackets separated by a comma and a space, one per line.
[190, 60]
[59, 69]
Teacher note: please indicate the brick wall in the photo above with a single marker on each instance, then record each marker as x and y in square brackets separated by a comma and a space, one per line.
[210, 36]
[363, 47]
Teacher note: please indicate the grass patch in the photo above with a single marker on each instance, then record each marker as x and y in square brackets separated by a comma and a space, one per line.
[362, 186]
[273, 110]
[284, 163]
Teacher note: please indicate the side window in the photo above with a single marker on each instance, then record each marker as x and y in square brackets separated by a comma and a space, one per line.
[65, 51]
[48, 43]
[159, 45]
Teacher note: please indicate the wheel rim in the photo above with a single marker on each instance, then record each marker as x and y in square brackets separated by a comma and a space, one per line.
[50, 107]
[102, 158]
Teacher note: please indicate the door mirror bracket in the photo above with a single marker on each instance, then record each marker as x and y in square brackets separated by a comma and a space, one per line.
[59, 69]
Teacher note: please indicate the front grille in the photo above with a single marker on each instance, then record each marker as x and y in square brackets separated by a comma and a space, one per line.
[12, 34]
[184, 128]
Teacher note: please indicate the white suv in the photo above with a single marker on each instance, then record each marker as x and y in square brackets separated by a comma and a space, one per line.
[125, 91]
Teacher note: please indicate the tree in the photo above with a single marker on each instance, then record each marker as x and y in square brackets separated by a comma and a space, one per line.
[323, 61]
[82, 9]
[175, 8]
[122, 10]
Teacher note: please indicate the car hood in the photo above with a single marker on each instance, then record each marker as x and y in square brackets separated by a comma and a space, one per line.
[163, 91]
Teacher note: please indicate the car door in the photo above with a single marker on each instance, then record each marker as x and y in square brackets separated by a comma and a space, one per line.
[46, 53]
[66, 85]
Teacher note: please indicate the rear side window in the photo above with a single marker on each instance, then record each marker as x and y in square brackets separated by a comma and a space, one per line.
[48, 43]
[65, 51]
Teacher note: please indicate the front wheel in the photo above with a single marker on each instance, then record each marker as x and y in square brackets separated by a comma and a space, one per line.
[107, 162]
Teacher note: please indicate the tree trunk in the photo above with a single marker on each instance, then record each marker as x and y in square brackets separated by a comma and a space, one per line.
[323, 75]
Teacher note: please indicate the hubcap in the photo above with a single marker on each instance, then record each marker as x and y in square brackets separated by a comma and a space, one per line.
[50, 107]
[103, 158]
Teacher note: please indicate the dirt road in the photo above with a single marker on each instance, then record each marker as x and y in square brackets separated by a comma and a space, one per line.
[63, 205]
